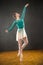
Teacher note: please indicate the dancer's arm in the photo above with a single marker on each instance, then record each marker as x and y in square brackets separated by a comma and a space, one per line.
[24, 10]
[11, 27]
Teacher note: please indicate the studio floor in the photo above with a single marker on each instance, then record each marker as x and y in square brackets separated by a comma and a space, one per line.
[30, 57]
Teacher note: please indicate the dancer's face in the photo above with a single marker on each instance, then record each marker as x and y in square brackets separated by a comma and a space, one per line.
[17, 15]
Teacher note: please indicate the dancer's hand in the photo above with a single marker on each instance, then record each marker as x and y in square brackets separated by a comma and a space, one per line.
[6, 31]
[27, 5]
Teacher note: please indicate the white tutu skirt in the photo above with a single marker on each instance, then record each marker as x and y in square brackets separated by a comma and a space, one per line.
[21, 33]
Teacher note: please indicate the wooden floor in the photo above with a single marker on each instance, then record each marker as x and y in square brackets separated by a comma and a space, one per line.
[31, 57]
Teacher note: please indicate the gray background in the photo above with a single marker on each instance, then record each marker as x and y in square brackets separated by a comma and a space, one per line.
[33, 23]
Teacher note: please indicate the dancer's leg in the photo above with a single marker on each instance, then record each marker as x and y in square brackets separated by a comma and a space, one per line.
[20, 50]
[19, 46]
[25, 39]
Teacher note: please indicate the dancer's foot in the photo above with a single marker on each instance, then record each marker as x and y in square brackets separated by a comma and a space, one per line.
[18, 53]
[21, 57]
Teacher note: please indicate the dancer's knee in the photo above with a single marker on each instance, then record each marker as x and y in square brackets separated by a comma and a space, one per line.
[26, 41]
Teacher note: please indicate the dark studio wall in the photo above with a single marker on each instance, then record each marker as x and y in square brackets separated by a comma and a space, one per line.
[33, 23]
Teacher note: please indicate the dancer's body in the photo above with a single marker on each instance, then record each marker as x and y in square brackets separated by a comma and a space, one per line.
[21, 34]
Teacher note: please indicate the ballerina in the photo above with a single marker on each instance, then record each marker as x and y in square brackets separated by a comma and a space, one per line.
[21, 33]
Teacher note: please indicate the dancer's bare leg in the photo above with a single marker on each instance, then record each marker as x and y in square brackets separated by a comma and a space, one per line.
[19, 46]
[25, 39]
[20, 49]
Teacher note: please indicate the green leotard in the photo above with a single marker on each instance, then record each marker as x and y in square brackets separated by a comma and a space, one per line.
[19, 23]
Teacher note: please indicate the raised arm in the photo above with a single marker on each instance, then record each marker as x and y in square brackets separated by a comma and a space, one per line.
[24, 10]
[11, 27]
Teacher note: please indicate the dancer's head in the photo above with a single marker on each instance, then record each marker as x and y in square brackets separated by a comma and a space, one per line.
[16, 15]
